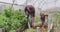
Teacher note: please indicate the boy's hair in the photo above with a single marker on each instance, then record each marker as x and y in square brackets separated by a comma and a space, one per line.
[46, 15]
[42, 13]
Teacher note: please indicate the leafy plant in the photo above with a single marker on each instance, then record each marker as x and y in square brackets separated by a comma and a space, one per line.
[11, 19]
[30, 30]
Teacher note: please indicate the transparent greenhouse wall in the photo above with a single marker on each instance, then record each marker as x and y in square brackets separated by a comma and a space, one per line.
[55, 21]
[16, 7]
[3, 6]
[17, 4]
[58, 21]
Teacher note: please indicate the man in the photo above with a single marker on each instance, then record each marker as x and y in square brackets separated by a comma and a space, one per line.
[30, 12]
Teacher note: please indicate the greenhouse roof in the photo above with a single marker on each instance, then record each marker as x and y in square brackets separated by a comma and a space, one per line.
[43, 4]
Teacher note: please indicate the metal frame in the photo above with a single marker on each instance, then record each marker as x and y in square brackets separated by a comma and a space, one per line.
[26, 3]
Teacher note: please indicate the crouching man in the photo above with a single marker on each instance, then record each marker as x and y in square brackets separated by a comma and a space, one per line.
[30, 12]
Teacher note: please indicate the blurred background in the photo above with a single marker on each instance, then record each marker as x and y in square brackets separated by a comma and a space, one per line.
[11, 11]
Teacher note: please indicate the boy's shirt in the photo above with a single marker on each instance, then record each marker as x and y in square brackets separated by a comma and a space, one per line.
[43, 18]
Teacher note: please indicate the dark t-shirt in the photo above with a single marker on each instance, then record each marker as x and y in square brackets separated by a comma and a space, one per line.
[43, 18]
[31, 10]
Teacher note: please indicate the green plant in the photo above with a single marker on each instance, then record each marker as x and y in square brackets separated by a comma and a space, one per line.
[30, 30]
[37, 20]
[11, 19]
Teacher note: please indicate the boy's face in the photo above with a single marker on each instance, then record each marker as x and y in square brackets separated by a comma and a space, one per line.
[46, 17]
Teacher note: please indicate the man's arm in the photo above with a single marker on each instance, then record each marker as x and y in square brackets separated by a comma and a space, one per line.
[33, 18]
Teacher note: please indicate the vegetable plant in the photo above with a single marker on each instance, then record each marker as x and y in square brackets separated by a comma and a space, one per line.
[12, 19]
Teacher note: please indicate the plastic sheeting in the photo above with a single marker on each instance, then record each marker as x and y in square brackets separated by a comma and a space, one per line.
[43, 4]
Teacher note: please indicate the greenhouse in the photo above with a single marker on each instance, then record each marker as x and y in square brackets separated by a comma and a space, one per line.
[29, 15]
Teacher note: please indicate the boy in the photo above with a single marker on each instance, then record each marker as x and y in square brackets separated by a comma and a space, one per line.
[43, 19]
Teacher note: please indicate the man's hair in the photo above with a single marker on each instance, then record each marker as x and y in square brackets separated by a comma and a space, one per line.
[31, 10]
